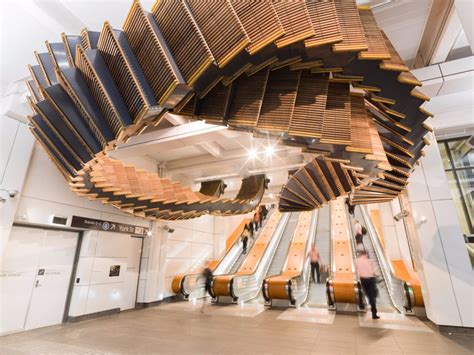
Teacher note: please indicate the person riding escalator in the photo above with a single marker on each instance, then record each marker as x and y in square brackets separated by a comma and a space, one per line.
[367, 273]
[315, 260]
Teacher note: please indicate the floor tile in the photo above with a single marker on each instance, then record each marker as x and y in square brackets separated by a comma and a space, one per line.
[311, 315]
[393, 321]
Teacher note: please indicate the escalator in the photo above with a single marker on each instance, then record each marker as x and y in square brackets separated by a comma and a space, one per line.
[317, 292]
[244, 284]
[288, 281]
[384, 300]
[191, 285]
[282, 250]
[400, 289]
[343, 286]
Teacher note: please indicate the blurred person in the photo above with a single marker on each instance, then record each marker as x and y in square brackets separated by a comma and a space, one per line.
[350, 207]
[315, 260]
[367, 273]
[245, 239]
[249, 228]
[207, 276]
[256, 220]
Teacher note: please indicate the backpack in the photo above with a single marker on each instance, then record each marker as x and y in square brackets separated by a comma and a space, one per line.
[364, 230]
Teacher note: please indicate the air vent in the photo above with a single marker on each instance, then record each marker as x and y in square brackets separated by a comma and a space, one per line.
[59, 220]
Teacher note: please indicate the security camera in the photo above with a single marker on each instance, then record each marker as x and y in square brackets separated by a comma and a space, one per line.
[2, 200]
[168, 229]
[12, 193]
[399, 216]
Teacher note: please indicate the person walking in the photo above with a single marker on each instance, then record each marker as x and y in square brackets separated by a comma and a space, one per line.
[249, 227]
[367, 272]
[256, 220]
[350, 207]
[315, 259]
[264, 211]
[357, 227]
[207, 276]
[245, 239]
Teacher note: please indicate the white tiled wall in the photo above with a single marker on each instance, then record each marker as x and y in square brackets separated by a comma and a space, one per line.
[16, 145]
[448, 278]
[44, 194]
[94, 290]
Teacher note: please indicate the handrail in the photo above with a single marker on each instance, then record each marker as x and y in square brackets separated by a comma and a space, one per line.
[398, 293]
[244, 293]
[287, 284]
[223, 285]
[357, 285]
[394, 285]
[189, 283]
[295, 294]
[344, 283]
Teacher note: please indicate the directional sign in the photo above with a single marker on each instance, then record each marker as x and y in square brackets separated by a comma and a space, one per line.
[107, 226]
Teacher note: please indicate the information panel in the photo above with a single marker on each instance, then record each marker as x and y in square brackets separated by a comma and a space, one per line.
[107, 226]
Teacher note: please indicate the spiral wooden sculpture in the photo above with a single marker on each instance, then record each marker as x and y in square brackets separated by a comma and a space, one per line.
[319, 75]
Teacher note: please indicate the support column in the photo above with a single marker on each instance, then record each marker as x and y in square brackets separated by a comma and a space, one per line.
[443, 264]
[464, 9]
[16, 149]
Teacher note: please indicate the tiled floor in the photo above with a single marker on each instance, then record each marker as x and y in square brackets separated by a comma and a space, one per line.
[182, 329]
[307, 314]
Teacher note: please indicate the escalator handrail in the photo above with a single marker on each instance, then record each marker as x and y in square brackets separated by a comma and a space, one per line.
[270, 211]
[306, 268]
[185, 292]
[360, 301]
[386, 269]
[268, 256]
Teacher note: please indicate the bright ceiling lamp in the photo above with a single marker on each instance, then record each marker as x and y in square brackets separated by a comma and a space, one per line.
[252, 153]
[269, 151]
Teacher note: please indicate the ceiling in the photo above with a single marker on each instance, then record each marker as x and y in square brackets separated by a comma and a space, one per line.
[187, 151]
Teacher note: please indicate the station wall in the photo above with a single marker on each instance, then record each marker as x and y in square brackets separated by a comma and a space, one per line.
[159, 258]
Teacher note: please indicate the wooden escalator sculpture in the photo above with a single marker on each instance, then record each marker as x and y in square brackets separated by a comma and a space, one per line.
[319, 75]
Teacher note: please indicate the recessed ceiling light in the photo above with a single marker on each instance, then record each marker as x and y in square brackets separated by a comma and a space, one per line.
[269, 150]
[252, 153]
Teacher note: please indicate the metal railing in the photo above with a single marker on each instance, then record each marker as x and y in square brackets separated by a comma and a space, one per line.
[298, 286]
[400, 293]
[246, 287]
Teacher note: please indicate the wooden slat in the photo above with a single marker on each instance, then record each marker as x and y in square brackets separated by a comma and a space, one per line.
[279, 100]
[259, 21]
[175, 23]
[353, 36]
[295, 20]
[308, 114]
[220, 28]
[337, 118]
[377, 49]
[325, 23]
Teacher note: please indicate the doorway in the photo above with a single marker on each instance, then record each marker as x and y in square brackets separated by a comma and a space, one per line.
[35, 278]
